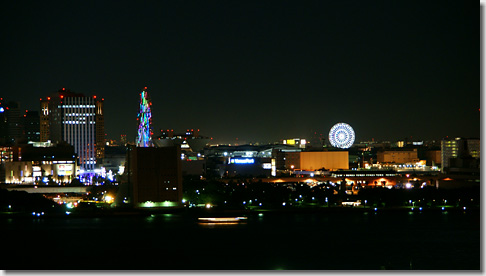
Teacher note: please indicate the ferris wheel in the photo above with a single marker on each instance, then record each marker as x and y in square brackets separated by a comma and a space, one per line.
[341, 136]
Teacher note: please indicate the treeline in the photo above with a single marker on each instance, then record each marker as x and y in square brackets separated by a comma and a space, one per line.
[246, 194]
[21, 201]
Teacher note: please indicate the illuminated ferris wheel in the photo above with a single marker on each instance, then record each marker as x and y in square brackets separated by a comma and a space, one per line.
[341, 136]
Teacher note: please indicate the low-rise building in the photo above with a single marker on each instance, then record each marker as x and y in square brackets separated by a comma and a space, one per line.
[41, 164]
[399, 156]
[316, 160]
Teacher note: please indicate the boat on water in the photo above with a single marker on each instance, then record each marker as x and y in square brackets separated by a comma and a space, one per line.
[222, 220]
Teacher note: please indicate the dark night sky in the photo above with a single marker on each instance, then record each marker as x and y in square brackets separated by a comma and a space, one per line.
[259, 71]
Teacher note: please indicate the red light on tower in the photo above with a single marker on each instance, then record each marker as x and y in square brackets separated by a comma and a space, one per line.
[62, 96]
[94, 97]
[145, 88]
[63, 89]
[49, 98]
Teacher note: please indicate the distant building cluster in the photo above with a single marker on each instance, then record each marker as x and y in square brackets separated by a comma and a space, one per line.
[64, 143]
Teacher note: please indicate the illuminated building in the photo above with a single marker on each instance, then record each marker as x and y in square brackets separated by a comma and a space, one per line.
[77, 120]
[297, 142]
[6, 154]
[241, 160]
[397, 156]
[189, 141]
[37, 163]
[155, 177]
[316, 160]
[114, 161]
[123, 139]
[458, 149]
[144, 136]
[354, 180]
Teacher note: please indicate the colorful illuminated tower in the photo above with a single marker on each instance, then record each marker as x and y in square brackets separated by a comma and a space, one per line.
[144, 137]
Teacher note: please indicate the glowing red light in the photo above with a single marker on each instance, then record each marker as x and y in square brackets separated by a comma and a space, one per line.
[94, 97]
[62, 96]
[63, 88]
[145, 88]
[49, 98]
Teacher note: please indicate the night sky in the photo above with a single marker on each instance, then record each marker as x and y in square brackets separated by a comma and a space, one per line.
[259, 71]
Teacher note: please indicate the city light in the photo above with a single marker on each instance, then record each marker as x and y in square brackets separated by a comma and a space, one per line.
[341, 135]
[109, 199]
[144, 137]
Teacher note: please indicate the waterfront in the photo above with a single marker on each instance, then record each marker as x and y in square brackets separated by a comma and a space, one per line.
[288, 241]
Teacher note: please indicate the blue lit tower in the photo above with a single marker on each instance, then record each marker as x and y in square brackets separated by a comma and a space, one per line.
[144, 137]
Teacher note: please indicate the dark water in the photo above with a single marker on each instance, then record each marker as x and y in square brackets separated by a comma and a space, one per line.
[363, 241]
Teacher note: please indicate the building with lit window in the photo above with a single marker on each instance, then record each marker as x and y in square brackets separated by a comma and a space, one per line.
[189, 141]
[77, 120]
[10, 122]
[458, 149]
[31, 128]
[41, 163]
[155, 176]
[242, 160]
[398, 156]
[296, 142]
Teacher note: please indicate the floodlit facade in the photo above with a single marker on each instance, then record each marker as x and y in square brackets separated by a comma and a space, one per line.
[315, 160]
[397, 156]
[32, 164]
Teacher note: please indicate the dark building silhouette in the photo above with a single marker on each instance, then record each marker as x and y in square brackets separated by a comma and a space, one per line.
[31, 126]
[154, 176]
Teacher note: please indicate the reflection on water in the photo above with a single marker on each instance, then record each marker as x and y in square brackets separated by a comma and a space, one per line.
[370, 240]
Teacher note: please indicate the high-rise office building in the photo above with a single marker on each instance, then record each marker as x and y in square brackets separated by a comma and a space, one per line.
[10, 122]
[30, 124]
[76, 119]
[458, 148]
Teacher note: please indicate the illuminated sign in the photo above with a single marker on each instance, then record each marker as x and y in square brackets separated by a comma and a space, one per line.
[267, 166]
[242, 161]
[290, 142]
[64, 169]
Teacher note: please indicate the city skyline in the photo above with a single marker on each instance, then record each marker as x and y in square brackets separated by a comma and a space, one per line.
[259, 72]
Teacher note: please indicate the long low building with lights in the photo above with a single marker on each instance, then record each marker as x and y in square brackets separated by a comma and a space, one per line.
[316, 160]
[41, 164]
